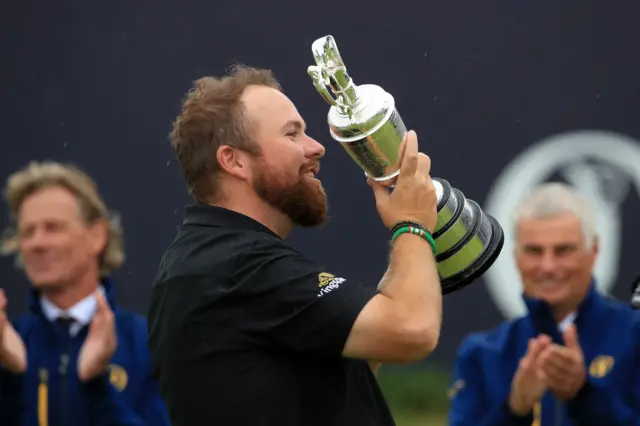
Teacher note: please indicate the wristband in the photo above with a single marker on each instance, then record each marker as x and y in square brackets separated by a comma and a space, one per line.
[408, 223]
[422, 232]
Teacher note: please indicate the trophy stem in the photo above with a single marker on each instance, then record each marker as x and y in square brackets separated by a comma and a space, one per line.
[342, 86]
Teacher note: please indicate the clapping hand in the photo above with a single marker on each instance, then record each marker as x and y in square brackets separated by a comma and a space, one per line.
[100, 344]
[563, 367]
[13, 354]
[529, 383]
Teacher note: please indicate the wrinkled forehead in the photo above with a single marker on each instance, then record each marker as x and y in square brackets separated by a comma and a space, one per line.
[269, 110]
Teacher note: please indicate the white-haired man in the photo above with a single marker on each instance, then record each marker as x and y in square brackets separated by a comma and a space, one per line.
[574, 359]
[75, 358]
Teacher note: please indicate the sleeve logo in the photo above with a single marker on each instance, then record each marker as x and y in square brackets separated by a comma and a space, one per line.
[324, 278]
[601, 366]
[328, 282]
[118, 377]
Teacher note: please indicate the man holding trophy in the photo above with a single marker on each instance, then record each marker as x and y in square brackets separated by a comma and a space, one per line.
[244, 329]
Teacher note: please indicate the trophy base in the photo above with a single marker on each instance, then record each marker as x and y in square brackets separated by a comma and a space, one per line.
[468, 241]
[383, 179]
[481, 265]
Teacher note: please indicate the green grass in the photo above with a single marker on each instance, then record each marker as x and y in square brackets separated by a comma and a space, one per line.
[415, 419]
[417, 395]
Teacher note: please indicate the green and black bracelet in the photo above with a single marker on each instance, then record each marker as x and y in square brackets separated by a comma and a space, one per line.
[413, 228]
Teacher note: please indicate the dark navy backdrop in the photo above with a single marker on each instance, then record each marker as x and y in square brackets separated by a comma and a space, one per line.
[98, 84]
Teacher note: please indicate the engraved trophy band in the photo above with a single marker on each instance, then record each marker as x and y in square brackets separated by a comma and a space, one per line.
[365, 121]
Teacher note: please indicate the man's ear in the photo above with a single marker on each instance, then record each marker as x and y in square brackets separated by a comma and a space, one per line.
[99, 234]
[234, 161]
[596, 245]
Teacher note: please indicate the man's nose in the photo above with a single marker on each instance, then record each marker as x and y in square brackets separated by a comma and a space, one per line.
[548, 262]
[315, 149]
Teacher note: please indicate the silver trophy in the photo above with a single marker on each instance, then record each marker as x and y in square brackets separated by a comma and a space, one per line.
[364, 119]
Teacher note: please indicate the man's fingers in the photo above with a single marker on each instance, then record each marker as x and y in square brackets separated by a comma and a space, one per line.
[3, 300]
[403, 148]
[544, 340]
[535, 348]
[529, 360]
[424, 165]
[553, 379]
[100, 299]
[380, 192]
[550, 371]
[558, 354]
[556, 364]
[531, 347]
[555, 367]
[410, 158]
[103, 305]
[570, 337]
[556, 380]
[561, 354]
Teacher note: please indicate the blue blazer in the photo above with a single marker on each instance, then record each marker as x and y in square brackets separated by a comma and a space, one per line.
[50, 392]
[609, 334]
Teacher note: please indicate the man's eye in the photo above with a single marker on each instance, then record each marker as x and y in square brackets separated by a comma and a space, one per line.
[25, 232]
[532, 250]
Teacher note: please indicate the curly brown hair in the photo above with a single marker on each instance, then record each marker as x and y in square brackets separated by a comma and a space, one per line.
[212, 115]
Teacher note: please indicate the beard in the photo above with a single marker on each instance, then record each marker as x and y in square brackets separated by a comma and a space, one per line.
[303, 201]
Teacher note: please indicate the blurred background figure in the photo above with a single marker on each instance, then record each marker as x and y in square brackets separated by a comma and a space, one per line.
[504, 99]
[75, 358]
[635, 294]
[564, 363]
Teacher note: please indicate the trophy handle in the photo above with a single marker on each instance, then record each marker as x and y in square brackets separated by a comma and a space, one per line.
[321, 81]
[326, 53]
[330, 72]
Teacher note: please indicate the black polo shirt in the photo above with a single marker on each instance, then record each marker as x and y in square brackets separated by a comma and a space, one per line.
[245, 330]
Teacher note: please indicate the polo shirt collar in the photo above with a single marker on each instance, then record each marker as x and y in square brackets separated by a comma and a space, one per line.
[207, 215]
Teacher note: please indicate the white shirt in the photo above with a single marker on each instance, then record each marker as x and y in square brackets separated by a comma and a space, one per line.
[566, 322]
[82, 312]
